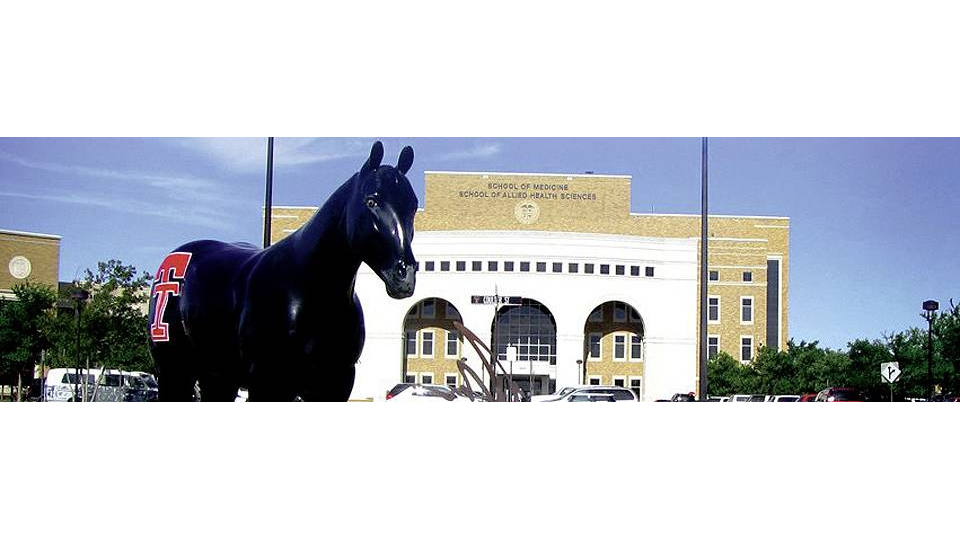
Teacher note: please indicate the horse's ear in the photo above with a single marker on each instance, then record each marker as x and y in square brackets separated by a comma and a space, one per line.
[376, 155]
[406, 159]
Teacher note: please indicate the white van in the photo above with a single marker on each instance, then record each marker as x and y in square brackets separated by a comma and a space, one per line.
[111, 385]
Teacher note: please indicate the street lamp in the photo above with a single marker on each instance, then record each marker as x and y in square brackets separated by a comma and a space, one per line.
[930, 306]
[582, 371]
[79, 296]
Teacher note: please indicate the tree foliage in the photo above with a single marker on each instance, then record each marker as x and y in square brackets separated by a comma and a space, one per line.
[26, 328]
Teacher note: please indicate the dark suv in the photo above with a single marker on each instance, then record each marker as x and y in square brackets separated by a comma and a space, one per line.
[841, 394]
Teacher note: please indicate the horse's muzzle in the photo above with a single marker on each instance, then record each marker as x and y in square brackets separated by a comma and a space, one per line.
[400, 280]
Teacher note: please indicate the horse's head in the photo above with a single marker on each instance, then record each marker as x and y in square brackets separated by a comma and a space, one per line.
[380, 221]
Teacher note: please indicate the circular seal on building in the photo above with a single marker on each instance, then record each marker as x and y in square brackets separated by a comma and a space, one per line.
[527, 212]
[20, 267]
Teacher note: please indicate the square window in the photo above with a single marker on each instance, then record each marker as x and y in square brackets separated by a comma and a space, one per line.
[604, 269]
[428, 266]
[573, 267]
[524, 266]
[410, 378]
[747, 276]
[428, 308]
[541, 267]
[461, 265]
[445, 265]
[588, 268]
[476, 265]
[714, 275]
[594, 380]
[558, 267]
[508, 266]
[426, 378]
[634, 271]
[620, 270]
[451, 380]
[619, 381]
[492, 265]
[649, 271]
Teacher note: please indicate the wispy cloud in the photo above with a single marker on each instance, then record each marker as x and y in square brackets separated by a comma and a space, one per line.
[202, 215]
[477, 152]
[249, 154]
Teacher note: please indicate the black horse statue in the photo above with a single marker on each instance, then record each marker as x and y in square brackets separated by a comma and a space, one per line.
[284, 321]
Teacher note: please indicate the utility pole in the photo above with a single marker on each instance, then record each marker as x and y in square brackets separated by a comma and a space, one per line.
[268, 198]
[704, 240]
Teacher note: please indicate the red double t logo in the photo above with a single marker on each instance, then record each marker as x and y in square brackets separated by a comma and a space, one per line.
[174, 266]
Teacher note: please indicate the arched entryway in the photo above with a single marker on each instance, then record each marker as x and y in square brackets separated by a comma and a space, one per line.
[613, 347]
[525, 342]
[431, 343]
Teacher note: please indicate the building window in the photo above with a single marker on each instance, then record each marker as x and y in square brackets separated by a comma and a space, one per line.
[619, 311]
[451, 381]
[713, 309]
[445, 265]
[451, 312]
[634, 271]
[636, 385]
[713, 346]
[620, 270]
[426, 343]
[541, 267]
[461, 265]
[588, 268]
[428, 309]
[426, 378]
[619, 381]
[411, 343]
[410, 378]
[596, 315]
[714, 275]
[529, 328]
[524, 266]
[453, 344]
[636, 348]
[573, 267]
[746, 309]
[594, 380]
[476, 265]
[593, 353]
[492, 265]
[649, 271]
[619, 347]
[634, 315]
[604, 269]
[748, 276]
[508, 266]
[428, 266]
[746, 348]
[558, 267]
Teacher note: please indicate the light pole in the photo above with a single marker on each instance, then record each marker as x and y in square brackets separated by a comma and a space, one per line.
[79, 297]
[704, 240]
[268, 197]
[930, 306]
[582, 371]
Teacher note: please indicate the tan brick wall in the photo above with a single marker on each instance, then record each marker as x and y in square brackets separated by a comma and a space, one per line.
[42, 252]
[601, 204]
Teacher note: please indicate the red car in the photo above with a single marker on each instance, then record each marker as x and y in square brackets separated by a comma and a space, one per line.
[841, 394]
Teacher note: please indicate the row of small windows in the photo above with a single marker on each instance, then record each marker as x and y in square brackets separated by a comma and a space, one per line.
[636, 383]
[714, 275]
[424, 345]
[746, 347]
[540, 267]
[450, 380]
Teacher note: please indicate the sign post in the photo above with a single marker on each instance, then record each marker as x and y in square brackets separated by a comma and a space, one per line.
[890, 372]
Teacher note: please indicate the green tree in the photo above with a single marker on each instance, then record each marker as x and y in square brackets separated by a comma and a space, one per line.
[727, 376]
[26, 329]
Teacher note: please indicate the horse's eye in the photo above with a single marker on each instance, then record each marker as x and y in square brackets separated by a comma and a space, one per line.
[371, 202]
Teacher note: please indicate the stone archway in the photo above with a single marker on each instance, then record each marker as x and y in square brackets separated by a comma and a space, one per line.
[431, 343]
[613, 347]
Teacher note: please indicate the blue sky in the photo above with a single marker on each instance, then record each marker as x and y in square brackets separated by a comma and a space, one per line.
[873, 221]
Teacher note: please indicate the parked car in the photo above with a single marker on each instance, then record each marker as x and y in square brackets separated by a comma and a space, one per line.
[747, 398]
[841, 394]
[808, 397]
[683, 397]
[590, 397]
[620, 394]
[786, 398]
[421, 392]
[711, 398]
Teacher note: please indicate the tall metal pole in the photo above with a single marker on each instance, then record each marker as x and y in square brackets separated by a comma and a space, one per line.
[704, 235]
[929, 357]
[268, 198]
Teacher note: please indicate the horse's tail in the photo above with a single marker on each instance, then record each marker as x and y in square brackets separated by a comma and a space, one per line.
[169, 345]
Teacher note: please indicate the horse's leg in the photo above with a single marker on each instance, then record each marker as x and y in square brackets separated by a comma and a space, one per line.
[270, 382]
[216, 388]
[332, 384]
[175, 373]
